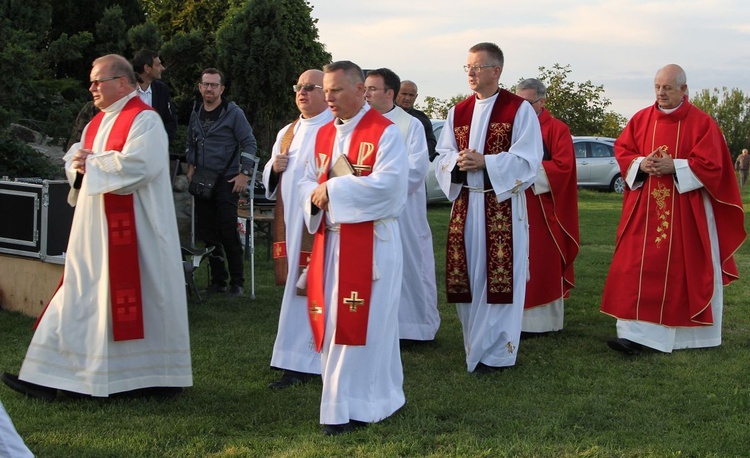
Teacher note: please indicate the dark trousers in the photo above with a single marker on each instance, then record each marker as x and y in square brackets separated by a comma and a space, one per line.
[216, 225]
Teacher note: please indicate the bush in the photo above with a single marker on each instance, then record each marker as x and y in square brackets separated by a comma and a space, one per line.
[17, 159]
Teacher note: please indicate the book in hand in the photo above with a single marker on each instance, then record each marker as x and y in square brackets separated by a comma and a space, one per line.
[341, 167]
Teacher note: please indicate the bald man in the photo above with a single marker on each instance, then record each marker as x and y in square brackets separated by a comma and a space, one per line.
[682, 220]
[406, 97]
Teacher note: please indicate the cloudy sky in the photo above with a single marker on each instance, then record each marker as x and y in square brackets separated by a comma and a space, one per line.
[615, 43]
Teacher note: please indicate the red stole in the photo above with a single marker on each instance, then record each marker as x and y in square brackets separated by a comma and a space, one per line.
[498, 215]
[356, 241]
[663, 247]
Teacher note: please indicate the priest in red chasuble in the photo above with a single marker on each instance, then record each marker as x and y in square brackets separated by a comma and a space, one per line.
[552, 205]
[682, 221]
[118, 321]
[352, 192]
[489, 153]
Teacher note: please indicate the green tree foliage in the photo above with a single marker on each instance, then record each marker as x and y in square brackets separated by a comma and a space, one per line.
[436, 108]
[185, 16]
[144, 36]
[263, 48]
[582, 106]
[111, 32]
[731, 110]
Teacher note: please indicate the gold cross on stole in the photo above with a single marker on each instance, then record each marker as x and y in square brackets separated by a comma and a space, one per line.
[316, 310]
[354, 301]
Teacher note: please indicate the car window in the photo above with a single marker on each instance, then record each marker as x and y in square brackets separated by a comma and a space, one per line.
[580, 149]
[600, 150]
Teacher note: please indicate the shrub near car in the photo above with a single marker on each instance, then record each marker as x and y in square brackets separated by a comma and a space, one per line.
[596, 165]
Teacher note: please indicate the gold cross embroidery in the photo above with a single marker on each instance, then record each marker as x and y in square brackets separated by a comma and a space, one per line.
[315, 310]
[516, 187]
[354, 301]
[277, 250]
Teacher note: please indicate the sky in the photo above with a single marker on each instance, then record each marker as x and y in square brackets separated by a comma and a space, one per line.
[619, 44]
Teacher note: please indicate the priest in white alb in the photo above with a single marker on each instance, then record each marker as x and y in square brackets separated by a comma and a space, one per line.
[294, 352]
[352, 194]
[418, 317]
[489, 153]
[118, 322]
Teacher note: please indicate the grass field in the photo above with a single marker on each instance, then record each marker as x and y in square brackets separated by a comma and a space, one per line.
[569, 395]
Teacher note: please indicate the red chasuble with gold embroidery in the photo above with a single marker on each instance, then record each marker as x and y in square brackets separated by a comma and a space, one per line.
[553, 218]
[355, 242]
[661, 270]
[498, 223]
[124, 271]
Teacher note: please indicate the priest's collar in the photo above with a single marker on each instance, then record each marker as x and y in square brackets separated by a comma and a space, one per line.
[364, 109]
[670, 110]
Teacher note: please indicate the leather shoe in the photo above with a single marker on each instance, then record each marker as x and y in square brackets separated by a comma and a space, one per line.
[235, 291]
[289, 379]
[28, 389]
[213, 288]
[483, 369]
[335, 430]
[625, 346]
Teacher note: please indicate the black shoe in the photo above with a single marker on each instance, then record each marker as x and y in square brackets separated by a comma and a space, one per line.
[28, 389]
[483, 369]
[235, 291]
[150, 392]
[625, 346]
[289, 379]
[213, 288]
[335, 430]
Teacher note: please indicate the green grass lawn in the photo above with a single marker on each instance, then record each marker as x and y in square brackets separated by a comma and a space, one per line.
[569, 395]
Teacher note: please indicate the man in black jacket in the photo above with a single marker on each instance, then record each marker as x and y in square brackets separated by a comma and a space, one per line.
[406, 97]
[148, 68]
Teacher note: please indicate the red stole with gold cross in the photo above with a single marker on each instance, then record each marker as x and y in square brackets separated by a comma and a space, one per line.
[355, 245]
[498, 215]
[124, 270]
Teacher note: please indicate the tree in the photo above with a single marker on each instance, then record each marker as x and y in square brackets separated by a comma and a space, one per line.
[582, 106]
[263, 48]
[438, 108]
[730, 108]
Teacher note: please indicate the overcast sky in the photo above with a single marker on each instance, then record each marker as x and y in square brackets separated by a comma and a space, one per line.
[615, 43]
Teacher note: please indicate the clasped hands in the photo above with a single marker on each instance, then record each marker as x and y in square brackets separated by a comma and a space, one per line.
[658, 163]
[470, 161]
[319, 197]
[79, 160]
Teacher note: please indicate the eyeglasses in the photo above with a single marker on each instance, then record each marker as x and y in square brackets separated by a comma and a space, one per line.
[209, 85]
[535, 101]
[98, 82]
[306, 87]
[477, 68]
[374, 89]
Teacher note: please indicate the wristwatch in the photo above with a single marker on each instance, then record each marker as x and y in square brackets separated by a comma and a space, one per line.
[245, 172]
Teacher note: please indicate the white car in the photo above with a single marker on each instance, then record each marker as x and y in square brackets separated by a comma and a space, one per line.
[434, 193]
[596, 165]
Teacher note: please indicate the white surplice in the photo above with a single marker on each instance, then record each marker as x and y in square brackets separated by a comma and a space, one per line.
[73, 348]
[363, 383]
[294, 348]
[492, 331]
[418, 317]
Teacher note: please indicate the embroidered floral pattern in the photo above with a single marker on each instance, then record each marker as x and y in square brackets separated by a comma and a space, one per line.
[498, 136]
[462, 137]
[499, 249]
[660, 195]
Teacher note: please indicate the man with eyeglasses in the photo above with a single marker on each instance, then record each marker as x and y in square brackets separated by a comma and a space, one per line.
[552, 206]
[118, 321]
[418, 317]
[406, 97]
[217, 133]
[294, 148]
[489, 153]
[352, 193]
[148, 69]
